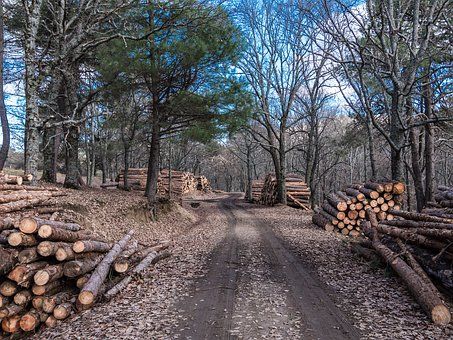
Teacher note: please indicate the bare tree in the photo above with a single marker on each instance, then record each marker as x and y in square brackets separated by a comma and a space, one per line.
[3, 117]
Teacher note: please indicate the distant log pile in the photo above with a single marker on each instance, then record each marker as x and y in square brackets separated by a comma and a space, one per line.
[344, 211]
[418, 248]
[444, 197]
[50, 269]
[257, 188]
[181, 183]
[14, 179]
[297, 191]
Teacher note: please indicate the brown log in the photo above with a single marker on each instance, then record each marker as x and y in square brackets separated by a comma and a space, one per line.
[398, 188]
[333, 211]
[353, 214]
[10, 310]
[380, 200]
[337, 202]
[20, 239]
[355, 193]
[81, 281]
[5, 187]
[23, 297]
[419, 217]
[28, 255]
[51, 322]
[446, 204]
[82, 266]
[52, 233]
[50, 302]
[49, 274]
[30, 225]
[51, 287]
[37, 302]
[30, 320]
[359, 206]
[8, 259]
[11, 324]
[331, 218]
[419, 224]
[428, 300]
[388, 187]
[388, 196]
[369, 193]
[375, 186]
[319, 220]
[48, 248]
[121, 264]
[91, 246]
[152, 258]
[345, 197]
[65, 252]
[62, 311]
[8, 288]
[23, 273]
[47, 210]
[89, 292]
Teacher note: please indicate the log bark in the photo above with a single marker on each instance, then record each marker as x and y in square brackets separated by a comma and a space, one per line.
[320, 220]
[152, 258]
[30, 225]
[427, 299]
[121, 264]
[48, 248]
[337, 202]
[62, 311]
[20, 205]
[82, 266]
[28, 255]
[375, 186]
[6, 223]
[333, 211]
[23, 274]
[419, 216]
[89, 292]
[52, 287]
[356, 193]
[52, 233]
[8, 259]
[65, 252]
[49, 274]
[10, 310]
[419, 224]
[50, 302]
[4, 300]
[30, 320]
[91, 246]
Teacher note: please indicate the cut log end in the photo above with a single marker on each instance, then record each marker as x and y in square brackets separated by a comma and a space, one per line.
[15, 239]
[78, 247]
[41, 277]
[86, 297]
[121, 267]
[440, 315]
[28, 322]
[11, 324]
[45, 231]
[28, 225]
[51, 322]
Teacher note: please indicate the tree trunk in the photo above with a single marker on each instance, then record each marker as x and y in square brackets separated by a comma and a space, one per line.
[429, 139]
[72, 158]
[397, 136]
[153, 164]
[3, 117]
[416, 170]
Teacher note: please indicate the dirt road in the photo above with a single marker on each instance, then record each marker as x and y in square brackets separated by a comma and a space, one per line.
[256, 288]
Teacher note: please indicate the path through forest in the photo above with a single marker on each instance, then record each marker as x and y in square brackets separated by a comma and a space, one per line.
[256, 287]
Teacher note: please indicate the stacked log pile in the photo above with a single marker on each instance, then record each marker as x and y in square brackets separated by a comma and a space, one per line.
[203, 184]
[297, 191]
[181, 183]
[344, 211]
[444, 197]
[418, 248]
[50, 269]
[136, 178]
[257, 188]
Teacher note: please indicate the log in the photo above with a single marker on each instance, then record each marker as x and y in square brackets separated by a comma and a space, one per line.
[20, 205]
[91, 246]
[419, 217]
[81, 281]
[331, 218]
[30, 320]
[4, 301]
[30, 225]
[6, 223]
[8, 288]
[23, 273]
[62, 311]
[50, 302]
[419, 224]
[51, 322]
[398, 188]
[320, 220]
[48, 248]
[49, 274]
[28, 255]
[121, 264]
[355, 193]
[11, 324]
[52, 233]
[427, 299]
[65, 252]
[8, 259]
[375, 186]
[89, 292]
[82, 266]
[20, 239]
[37, 302]
[152, 258]
[337, 202]
[369, 193]
[333, 211]
[51, 287]
[10, 310]
[23, 297]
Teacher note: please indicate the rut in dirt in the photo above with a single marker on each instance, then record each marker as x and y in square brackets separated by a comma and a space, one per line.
[255, 287]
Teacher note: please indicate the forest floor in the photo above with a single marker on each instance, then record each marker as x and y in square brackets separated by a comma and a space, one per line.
[241, 271]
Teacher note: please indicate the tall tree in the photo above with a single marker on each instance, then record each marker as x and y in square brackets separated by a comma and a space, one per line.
[3, 117]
